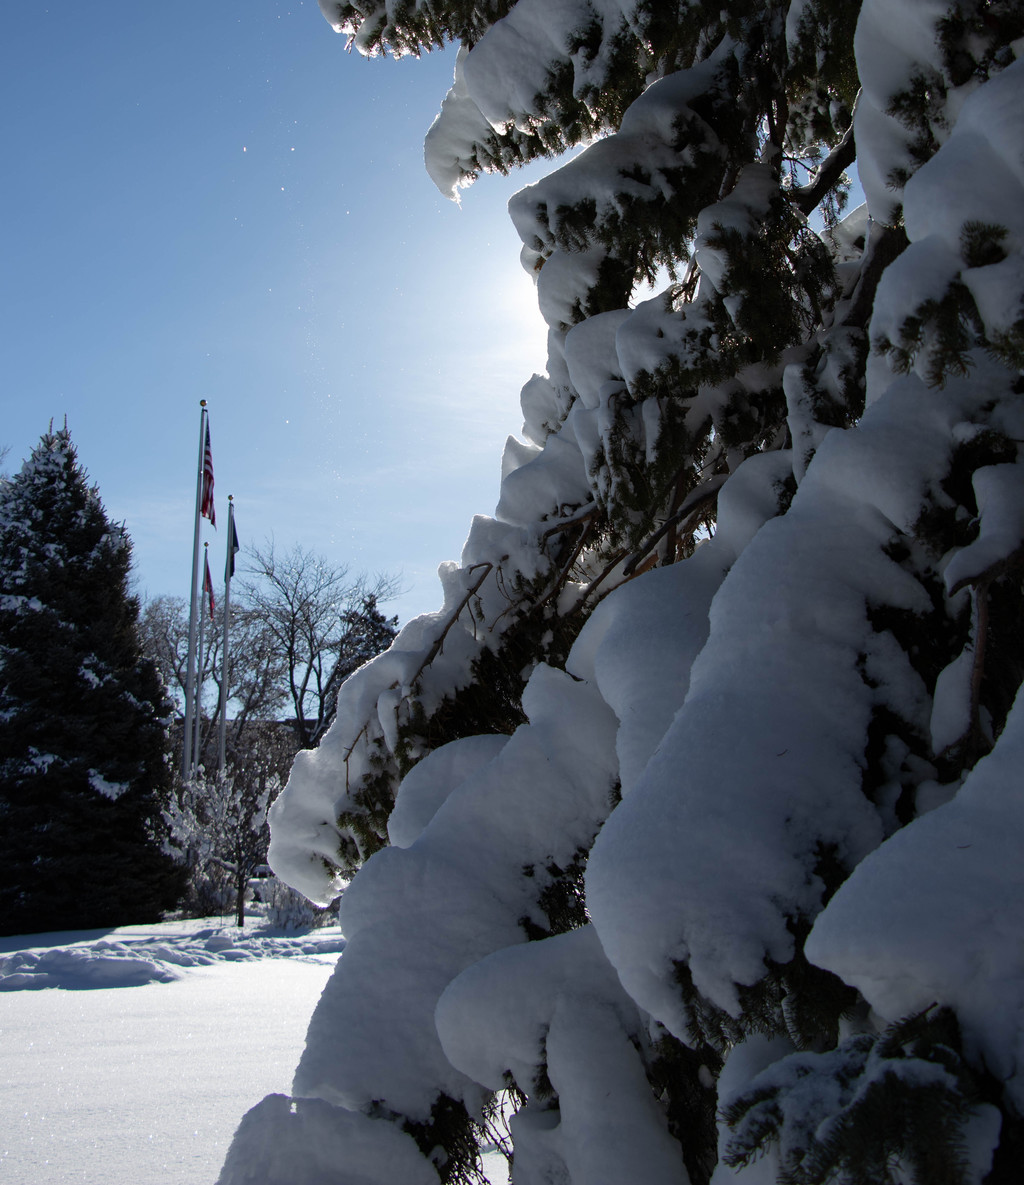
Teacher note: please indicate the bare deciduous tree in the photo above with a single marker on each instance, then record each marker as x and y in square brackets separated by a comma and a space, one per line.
[324, 623]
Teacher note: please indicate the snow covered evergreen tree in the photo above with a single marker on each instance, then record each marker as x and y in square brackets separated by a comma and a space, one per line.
[83, 775]
[702, 788]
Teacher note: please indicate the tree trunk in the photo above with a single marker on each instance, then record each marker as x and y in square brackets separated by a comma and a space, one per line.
[240, 885]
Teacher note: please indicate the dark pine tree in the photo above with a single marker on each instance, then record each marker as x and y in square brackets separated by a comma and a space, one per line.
[83, 773]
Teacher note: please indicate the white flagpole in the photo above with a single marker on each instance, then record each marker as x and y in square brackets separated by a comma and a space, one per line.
[225, 660]
[197, 753]
[190, 685]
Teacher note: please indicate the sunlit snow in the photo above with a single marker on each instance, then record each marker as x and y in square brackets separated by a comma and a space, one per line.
[110, 1084]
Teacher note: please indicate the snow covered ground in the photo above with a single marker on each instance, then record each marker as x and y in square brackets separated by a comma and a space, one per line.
[141, 1048]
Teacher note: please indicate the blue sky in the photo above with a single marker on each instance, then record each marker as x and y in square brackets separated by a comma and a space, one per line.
[213, 200]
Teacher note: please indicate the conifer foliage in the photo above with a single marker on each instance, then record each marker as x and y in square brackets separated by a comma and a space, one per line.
[83, 776]
[702, 788]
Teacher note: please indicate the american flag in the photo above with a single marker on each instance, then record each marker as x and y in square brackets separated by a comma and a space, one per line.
[206, 504]
[208, 585]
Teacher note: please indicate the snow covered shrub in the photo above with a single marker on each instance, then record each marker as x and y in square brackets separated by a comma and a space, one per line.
[705, 776]
[288, 909]
[209, 889]
[218, 831]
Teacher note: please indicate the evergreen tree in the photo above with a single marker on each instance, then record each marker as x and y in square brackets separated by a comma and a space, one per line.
[701, 789]
[83, 769]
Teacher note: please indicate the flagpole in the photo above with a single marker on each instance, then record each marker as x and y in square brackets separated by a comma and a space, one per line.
[190, 686]
[199, 679]
[225, 661]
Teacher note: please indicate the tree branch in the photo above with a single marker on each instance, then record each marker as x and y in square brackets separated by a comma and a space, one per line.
[698, 499]
[808, 197]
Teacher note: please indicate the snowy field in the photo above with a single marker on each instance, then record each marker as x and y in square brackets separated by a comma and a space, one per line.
[127, 1057]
